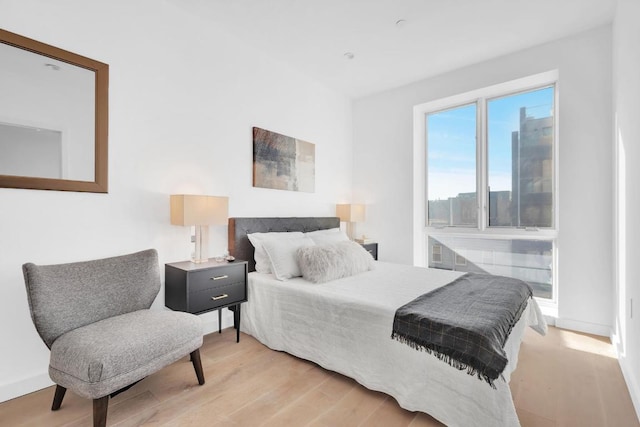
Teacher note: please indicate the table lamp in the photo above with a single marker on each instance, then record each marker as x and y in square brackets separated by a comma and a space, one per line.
[350, 213]
[199, 211]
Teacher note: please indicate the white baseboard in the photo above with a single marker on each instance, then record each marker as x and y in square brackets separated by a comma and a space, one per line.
[586, 327]
[604, 330]
[25, 386]
[632, 384]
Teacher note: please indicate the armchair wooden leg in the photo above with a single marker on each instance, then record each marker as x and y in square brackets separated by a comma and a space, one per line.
[100, 407]
[197, 365]
[57, 397]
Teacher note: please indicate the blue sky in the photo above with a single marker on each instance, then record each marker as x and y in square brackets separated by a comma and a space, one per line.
[452, 145]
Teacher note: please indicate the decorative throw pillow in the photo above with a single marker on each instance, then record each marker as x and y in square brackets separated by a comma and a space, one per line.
[326, 237]
[263, 265]
[320, 264]
[282, 255]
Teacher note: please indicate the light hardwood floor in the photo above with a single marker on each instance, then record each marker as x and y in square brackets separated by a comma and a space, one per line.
[563, 379]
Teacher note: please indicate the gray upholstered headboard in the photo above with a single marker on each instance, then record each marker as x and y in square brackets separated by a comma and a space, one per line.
[241, 248]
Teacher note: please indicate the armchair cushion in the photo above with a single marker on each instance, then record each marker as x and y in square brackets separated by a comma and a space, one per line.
[64, 297]
[100, 358]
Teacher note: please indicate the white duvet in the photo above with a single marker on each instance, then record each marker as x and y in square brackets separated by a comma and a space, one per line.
[345, 326]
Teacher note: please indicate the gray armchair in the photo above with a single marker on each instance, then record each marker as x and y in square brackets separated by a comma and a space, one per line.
[94, 317]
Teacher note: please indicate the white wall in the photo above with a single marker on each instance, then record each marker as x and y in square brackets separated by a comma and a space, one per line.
[626, 109]
[383, 144]
[183, 99]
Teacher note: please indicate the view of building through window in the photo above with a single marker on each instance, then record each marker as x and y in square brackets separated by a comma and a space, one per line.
[518, 147]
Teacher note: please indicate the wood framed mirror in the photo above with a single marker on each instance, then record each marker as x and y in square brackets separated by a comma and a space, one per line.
[53, 117]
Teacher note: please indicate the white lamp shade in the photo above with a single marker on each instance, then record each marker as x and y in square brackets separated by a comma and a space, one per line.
[189, 209]
[350, 212]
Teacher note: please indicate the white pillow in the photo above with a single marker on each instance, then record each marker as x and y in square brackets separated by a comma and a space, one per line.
[282, 254]
[263, 265]
[327, 237]
[323, 263]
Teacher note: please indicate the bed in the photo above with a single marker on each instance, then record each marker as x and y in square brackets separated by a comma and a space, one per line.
[344, 325]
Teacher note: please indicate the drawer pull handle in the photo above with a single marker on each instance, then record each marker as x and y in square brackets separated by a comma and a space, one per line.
[219, 297]
[370, 251]
[220, 277]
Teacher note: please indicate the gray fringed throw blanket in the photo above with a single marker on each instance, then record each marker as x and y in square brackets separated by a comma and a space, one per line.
[465, 323]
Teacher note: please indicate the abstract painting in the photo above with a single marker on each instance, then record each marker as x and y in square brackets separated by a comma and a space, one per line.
[282, 162]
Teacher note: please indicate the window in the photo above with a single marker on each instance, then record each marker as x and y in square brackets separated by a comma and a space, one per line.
[520, 153]
[519, 167]
[436, 254]
[490, 179]
[525, 259]
[452, 167]
[460, 260]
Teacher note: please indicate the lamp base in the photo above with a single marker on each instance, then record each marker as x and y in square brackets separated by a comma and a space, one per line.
[351, 227]
[201, 253]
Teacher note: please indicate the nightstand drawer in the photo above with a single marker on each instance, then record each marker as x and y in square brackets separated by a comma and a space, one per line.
[216, 278]
[218, 296]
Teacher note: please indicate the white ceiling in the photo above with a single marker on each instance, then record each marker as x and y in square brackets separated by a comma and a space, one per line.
[438, 36]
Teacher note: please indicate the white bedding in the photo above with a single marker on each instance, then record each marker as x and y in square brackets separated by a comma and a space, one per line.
[345, 326]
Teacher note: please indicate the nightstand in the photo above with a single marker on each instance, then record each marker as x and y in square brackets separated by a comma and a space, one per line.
[211, 285]
[372, 248]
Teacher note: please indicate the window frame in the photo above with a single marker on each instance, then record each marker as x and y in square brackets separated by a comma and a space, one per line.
[422, 230]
